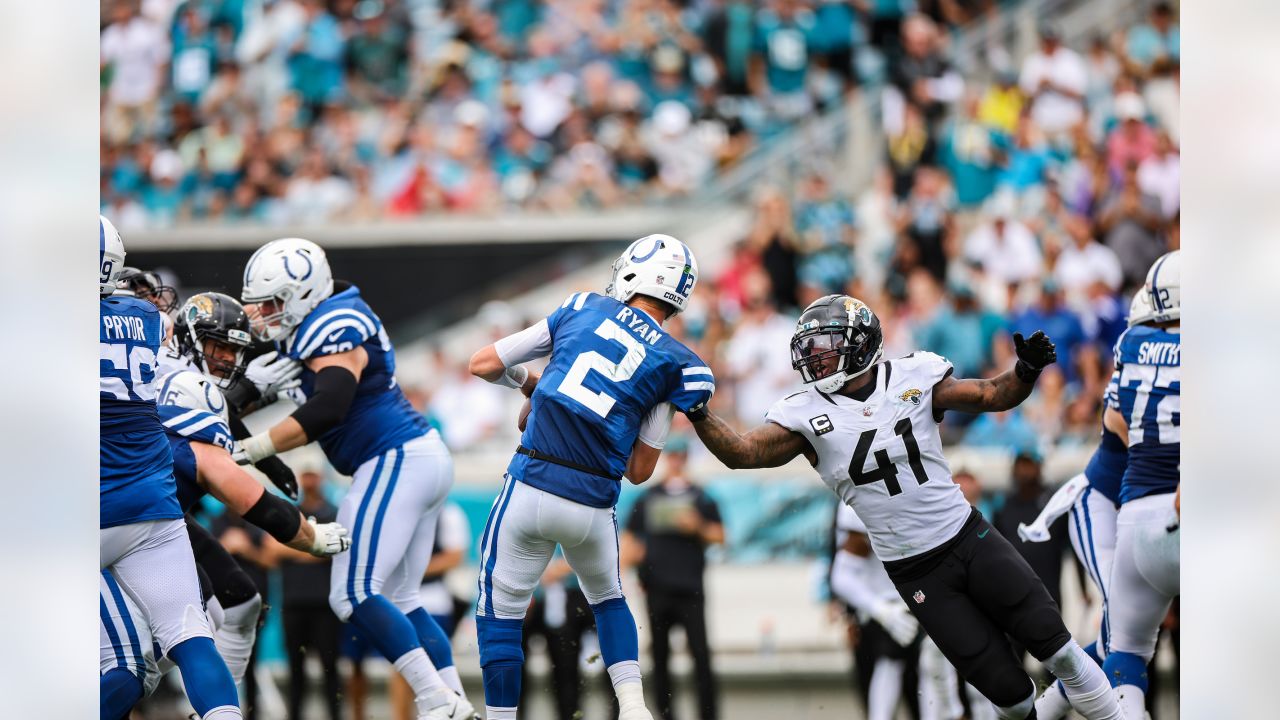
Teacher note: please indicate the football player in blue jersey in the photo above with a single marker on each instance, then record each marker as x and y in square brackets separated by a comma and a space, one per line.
[143, 540]
[1145, 572]
[1093, 500]
[194, 414]
[600, 411]
[401, 469]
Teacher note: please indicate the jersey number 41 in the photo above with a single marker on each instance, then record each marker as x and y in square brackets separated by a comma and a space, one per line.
[886, 470]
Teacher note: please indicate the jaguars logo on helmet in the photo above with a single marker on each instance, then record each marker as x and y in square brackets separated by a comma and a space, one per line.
[837, 338]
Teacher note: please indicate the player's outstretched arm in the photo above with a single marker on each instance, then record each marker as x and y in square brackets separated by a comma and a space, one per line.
[768, 445]
[219, 474]
[500, 362]
[1004, 391]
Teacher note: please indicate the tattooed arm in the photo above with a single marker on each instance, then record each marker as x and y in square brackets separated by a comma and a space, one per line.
[1002, 392]
[768, 445]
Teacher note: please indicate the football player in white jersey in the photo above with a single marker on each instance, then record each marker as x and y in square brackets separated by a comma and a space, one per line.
[870, 429]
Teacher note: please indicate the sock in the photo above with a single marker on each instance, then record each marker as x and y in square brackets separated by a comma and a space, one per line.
[386, 627]
[626, 672]
[429, 690]
[1084, 683]
[433, 639]
[885, 690]
[1053, 704]
[451, 680]
[118, 691]
[616, 629]
[1128, 674]
[630, 694]
[222, 713]
[234, 636]
[501, 659]
[495, 713]
[205, 675]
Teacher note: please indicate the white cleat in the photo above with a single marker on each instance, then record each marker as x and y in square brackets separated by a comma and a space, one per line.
[455, 707]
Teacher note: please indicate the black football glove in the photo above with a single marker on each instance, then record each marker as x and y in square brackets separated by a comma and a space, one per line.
[1034, 354]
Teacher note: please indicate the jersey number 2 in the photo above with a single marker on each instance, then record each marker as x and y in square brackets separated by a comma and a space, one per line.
[600, 402]
[886, 470]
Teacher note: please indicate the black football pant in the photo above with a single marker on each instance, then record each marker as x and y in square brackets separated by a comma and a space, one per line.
[688, 610]
[971, 595]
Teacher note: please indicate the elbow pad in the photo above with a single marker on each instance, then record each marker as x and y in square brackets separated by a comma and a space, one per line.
[330, 399]
[275, 515]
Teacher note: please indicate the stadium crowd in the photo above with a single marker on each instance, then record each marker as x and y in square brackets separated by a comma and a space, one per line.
[302, 111]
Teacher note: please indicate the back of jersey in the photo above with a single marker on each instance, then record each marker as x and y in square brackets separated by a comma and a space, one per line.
[1149, 362]
[135, 464]
[610, 364]
[380, 417]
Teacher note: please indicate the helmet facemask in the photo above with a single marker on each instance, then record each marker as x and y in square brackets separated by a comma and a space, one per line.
[269, 319]
[829, 357]
[222, 371]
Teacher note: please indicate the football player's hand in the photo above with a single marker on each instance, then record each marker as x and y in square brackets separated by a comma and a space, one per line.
[525, 409]
[897, 620]
[330, 538]
[272, 373]
[1037, 351]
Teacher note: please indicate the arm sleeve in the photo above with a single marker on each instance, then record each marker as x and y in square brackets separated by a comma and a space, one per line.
[657, 425]
[275, 515]
[849, 581]
[335, 389]
[528, 344]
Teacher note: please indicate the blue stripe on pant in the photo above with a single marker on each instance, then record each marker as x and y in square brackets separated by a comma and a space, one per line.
[492, 537]
[135, 646]
[109, 625]
[377, 522]
[355, 532]
[1084, 536]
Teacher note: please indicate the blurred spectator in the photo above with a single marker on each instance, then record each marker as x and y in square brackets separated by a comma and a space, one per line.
[972, 491]
[1084, 261]
[667, 534]
[133, 52]
[1102, 69]
[922, 74]
[825, 227]
[1004, 249]
[315, 60]
[1022, 504]
[1132, 140]
[1048, 312]
[317, 194]
[1055, 78]
[1156, 39]
[773, 240]
[1028, 161]
[1131, 222]
[1160, 175]
[1163, 96]
[684, 157]
[1002, 103]
[310, 627]
[970, 152]
[758, 356]
[1046, 409]
[729, 35]
[784, 37]
[468, 408]
[910, 147]
[963, 332]
[925, 224]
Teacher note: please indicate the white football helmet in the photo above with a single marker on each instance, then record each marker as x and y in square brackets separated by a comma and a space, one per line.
[1163, 287]
[193, 391]
[110, 256]
[657, 266]
[1140, 308]
[286, 279]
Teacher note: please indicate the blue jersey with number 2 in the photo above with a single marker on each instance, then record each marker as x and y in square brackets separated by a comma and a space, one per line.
[135, 465]
[610, 365]
[1149, 362]
[380, 417]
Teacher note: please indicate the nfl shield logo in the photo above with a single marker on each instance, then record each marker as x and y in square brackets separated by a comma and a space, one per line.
[918, 597]
[868, 410]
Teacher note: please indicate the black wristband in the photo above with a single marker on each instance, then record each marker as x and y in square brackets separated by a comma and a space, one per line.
[1025, 372]
[331, 397]
[275, 515]
[697, 413]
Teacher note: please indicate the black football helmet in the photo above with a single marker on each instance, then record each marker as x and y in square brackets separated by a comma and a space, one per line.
[219, 318]
[837, 339]
[148, 285]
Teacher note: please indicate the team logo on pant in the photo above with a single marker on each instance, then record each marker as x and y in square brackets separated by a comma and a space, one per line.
[918, 597]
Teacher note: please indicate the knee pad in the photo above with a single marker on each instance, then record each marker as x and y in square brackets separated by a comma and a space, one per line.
[1043, 632]
[998, 675]
[235, 588]
[499, 640]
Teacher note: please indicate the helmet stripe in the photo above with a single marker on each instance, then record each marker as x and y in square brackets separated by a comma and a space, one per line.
[1155, 278]
[687, 275]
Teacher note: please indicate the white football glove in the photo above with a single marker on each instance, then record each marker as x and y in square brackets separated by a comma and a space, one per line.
[331, 538]
[897, 620]
[272, 373]
[254, 448]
